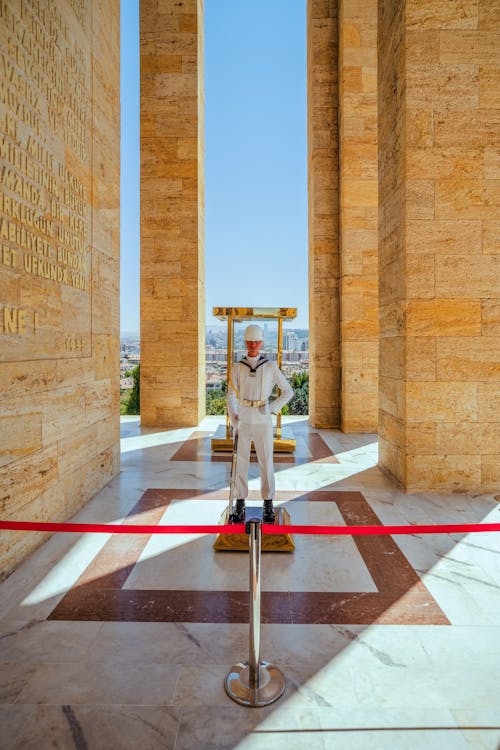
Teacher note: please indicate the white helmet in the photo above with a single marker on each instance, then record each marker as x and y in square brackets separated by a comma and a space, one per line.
[254, 333]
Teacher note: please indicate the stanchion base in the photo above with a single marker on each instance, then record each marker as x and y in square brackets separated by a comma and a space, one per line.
[271, 684]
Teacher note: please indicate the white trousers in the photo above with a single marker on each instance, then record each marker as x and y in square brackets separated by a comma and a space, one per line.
[262, 437]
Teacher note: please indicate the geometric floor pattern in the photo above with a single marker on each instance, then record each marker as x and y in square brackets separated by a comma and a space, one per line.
[386, 642]
[400, 595]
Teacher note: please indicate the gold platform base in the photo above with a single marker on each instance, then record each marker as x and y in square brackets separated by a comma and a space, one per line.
[270, 542]
[284, 444]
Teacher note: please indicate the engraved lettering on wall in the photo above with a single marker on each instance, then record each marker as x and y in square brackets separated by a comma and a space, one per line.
[45, 168]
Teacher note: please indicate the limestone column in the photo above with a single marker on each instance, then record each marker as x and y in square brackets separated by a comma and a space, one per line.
[439, 134]
[324, 335]
[358, 214]
[172, 271]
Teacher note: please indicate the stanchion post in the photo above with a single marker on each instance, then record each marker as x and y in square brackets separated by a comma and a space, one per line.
[254, 682]
[254, 588]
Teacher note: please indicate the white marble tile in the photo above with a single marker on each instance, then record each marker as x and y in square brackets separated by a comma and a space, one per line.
[447, 738]
[286, 738]
[477, 583]
[234, 726]
[307, 646]
[331, 685]
[14, 677]
[314, 476]
[389, 667]
[460, 593]
[209, 678]
[37, 595]
[46, 641]
[482, 550]
[12, 722]
[378, 718]
[480, 727]
[171, 642]
[318, 564]
[406, 728]
[107, 681]
[125, 727]
[425, 685]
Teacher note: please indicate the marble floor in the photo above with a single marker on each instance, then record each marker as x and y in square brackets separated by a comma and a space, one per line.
[117, 642]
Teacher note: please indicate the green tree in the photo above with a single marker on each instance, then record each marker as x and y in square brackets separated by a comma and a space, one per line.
[133, 405]
[299, 404]
[216, 399]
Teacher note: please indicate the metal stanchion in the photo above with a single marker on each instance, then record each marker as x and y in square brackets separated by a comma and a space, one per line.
[254, 682]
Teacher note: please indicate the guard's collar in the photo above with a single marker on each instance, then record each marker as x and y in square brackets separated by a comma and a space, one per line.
[261, 361]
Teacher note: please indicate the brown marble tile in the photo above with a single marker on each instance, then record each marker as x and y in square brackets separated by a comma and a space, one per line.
[303, 608]
[194, 448]
[112, 566]
[310, 446]
[319, 450]
[349, 497]
[401, 598]
[389, 568]
[89, 603]
[365, 608]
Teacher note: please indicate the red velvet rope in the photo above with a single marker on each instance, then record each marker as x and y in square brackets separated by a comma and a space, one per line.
[239, 528]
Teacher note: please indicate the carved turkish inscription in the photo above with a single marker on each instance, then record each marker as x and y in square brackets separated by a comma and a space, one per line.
[45, 168]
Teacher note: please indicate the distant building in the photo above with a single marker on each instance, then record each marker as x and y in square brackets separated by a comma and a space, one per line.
[215, 355]
[214, 380]
[291, 342]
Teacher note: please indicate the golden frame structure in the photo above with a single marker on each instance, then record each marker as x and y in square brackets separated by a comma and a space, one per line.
[223, 440]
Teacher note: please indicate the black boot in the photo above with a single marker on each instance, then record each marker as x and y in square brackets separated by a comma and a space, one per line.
[238, 516]
[269, 515]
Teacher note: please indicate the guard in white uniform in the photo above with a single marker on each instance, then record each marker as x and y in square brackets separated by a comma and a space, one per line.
[252, 381]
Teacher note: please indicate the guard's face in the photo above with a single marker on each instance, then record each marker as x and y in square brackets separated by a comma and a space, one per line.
[253, 347]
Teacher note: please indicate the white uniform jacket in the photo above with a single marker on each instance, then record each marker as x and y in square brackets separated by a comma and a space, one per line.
[249, 390]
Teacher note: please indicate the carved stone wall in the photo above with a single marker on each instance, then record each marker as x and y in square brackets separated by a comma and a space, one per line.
[172, 207]
[439, 131]
[59, 260]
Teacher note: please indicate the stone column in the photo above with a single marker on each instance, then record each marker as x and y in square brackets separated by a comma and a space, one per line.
[439, 133]
[324, 335]
[172, 270]
[358, 215]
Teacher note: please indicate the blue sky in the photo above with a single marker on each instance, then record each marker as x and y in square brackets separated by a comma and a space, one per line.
[255, 157]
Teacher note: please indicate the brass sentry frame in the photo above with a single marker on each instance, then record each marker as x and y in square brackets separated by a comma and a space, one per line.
[222, 440]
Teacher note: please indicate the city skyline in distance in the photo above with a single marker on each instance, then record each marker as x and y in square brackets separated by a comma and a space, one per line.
[219, 327]
[295, 352]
